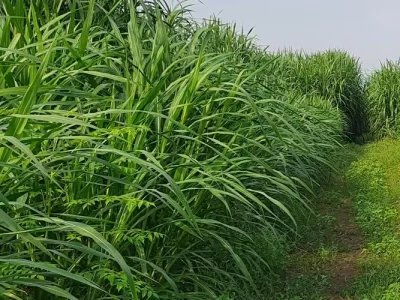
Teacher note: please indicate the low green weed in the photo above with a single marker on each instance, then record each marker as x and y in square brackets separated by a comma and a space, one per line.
[373, 178]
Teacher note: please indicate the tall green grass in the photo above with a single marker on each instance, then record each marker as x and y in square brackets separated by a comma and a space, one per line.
[383, 96]
[144, 156]
[334, 75]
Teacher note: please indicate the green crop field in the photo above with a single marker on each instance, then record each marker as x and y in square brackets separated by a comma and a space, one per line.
[144, 155]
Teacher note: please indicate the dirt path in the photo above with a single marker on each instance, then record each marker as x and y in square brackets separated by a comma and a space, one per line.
[342, 268]
[336, 247]
[332, 259]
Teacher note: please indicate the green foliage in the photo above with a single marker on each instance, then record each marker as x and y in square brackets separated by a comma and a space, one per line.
[371, 181]
[392, 292]
[377, 206]
[372, 177]
[145, 156]
[382, 97]
[304, 287]
[320, 245]
[333, 75]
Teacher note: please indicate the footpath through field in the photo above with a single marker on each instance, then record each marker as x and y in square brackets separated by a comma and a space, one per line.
[351, 249]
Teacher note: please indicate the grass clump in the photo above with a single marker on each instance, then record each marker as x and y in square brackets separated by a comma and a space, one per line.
[333, 75]
[382, 97]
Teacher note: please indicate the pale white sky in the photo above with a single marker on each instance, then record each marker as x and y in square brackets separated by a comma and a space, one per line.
[368, 29]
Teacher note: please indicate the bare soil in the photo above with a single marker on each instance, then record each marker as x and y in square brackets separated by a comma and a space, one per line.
[341, 266]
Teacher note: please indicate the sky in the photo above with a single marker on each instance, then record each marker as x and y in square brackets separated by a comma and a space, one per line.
[368, 29]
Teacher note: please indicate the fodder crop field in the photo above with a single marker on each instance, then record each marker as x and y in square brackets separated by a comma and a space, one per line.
[148, 156]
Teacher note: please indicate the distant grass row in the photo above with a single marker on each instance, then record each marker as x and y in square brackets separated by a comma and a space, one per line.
[371, 104]
[383, 100]
[145, 156]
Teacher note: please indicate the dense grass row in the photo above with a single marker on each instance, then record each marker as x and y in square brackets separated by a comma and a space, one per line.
[333, 75]
[382, 98]
[146, 156]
